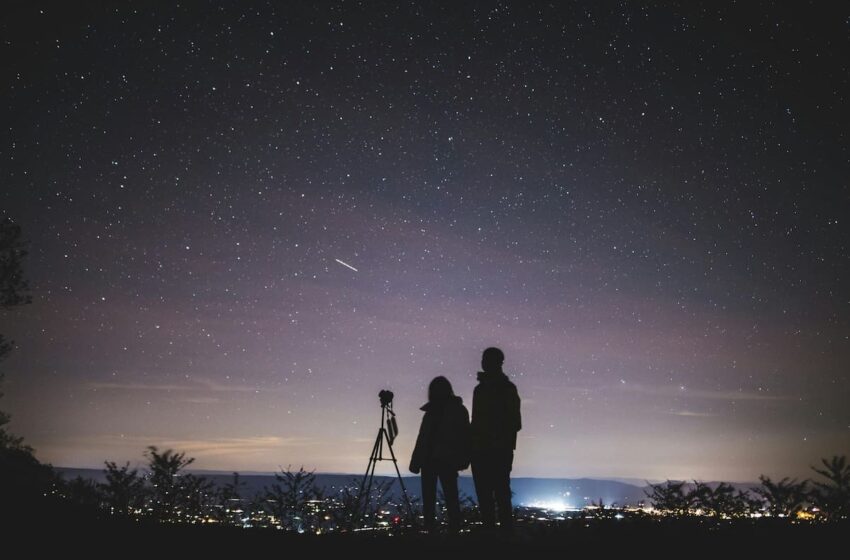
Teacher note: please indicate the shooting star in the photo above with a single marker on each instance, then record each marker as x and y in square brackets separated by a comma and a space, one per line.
[346, 265]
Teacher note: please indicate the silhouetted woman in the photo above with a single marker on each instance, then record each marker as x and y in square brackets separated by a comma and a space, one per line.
[442, 449]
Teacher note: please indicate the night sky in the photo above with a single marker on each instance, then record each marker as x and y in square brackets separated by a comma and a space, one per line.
[646, 208]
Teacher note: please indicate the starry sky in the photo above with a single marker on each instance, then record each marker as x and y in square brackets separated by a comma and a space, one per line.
[246, 219]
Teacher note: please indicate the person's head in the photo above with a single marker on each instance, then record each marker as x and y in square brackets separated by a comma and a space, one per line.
[492, 360]
[440, 390]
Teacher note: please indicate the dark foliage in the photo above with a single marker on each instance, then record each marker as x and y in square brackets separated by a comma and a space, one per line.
[833, 495]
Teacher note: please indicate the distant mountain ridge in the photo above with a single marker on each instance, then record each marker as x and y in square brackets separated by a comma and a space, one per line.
[552, 493]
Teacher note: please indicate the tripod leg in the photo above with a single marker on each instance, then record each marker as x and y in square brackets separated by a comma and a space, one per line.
[400, 481]
[370, 474]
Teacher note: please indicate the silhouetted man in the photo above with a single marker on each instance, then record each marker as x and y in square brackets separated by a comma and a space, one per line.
[495, 423]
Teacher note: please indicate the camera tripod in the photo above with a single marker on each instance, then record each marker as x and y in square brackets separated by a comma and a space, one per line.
[387, 433]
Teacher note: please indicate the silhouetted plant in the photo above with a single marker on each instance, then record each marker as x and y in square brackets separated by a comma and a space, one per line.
[24, 480]
[124, 490]
[230, 501]
[749, 503]
[167, 491]
[720, 501]
[83, 492]
[833, 496]
[196, 495]
[784, 497]
[317, 514]
[671, 497]
[346, 505]
[375, 503]
[257, 511]
[413, 518]
[8, 440]
[14, 291]
[597, 509]
[287, 499]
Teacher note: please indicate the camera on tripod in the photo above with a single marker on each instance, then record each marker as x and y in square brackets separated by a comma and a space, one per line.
[386, 397]
[387, 405]
[385, 434]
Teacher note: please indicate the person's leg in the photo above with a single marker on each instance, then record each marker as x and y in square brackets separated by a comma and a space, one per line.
[482, 477]
[502, 489]
[448, 480]
[429, 497]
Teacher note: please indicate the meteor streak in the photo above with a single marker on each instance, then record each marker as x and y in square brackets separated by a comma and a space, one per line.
[346, 265]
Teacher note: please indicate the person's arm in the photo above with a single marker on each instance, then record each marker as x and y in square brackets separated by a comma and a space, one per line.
[515, 410]
[417, 458]
[476, 424]
[465, 443]
[475, 410]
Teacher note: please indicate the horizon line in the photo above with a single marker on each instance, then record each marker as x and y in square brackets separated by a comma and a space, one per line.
[461, 474]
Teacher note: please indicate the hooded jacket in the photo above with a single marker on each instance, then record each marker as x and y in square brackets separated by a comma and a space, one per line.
[495, 413]
[443, 440]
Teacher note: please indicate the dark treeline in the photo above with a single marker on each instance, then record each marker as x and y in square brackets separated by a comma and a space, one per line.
[165, 492]
[826, 498]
